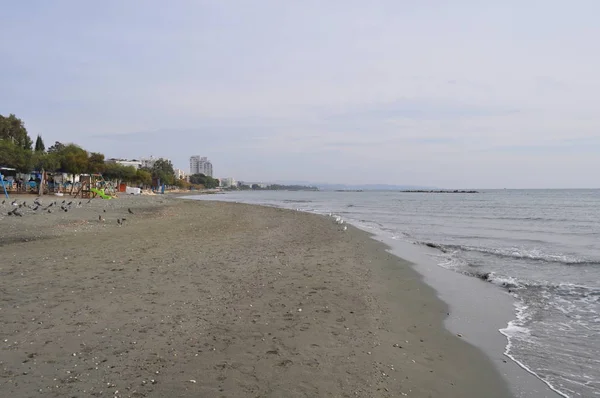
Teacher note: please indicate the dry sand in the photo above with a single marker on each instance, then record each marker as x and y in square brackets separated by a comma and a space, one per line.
[203, 299]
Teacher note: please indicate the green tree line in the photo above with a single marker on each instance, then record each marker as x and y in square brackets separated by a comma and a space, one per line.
[17, 151]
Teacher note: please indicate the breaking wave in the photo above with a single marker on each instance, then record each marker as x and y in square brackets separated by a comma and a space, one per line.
[515, 253]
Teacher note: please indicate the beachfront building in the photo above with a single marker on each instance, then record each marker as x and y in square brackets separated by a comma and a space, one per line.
[179, 174]
[227, 182]
[201, 165]
[126, 162]
[149, 162]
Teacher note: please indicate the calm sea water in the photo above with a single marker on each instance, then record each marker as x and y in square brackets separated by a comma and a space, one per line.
[541, 245]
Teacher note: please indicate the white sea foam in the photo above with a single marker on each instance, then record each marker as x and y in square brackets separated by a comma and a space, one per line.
[515, 331]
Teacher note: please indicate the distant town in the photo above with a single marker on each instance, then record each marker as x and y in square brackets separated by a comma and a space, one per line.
[201, 167]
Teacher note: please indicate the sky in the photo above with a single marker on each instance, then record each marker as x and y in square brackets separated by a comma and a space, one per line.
[461, 94]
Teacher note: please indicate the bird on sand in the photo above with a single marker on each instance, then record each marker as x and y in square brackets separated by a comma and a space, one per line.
[119, 221]
[130, 212]
[16, 213]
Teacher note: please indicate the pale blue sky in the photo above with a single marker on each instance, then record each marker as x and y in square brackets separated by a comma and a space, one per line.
[475, 94]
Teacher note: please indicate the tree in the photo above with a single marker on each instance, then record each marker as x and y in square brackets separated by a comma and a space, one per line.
[96, 163]
[73, 160]
[57, 147]
[15, 156]
[143, 177]
[202, 179]
[39, 144]
[163, 169]
[198, 179]
[116, 171]
[13, 129]
[45, 161]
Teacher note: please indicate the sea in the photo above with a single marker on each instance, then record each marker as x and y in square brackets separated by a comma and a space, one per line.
[541, 246]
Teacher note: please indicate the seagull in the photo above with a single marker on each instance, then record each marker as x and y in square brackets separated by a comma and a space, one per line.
[129, 210]
[345, 227]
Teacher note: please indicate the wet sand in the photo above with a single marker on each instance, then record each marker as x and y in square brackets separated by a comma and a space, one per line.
[206, 299]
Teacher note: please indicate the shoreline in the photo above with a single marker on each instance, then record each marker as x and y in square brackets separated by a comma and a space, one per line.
[220, 299]
[484, 328]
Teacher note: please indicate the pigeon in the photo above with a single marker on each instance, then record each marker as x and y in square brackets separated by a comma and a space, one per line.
[35, 208]
[63, 202]
[66, 210]
[4, 201]
[70, 203]
[104, 210]
[100, 219]
[89, 201]
[14, 203]
[49, 211]
[129, 210]
[119, 221]
[16, 213]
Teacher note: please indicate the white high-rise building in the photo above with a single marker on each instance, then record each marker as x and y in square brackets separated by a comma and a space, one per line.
[201, 165]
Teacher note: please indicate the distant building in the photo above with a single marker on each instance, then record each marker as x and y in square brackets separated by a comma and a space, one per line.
[258, 184]
[126, 162]
[201, 165]
[179, 174]
[149, 162]
[227, 182]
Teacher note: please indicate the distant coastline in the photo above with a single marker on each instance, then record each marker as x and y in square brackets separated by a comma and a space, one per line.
[438, 191]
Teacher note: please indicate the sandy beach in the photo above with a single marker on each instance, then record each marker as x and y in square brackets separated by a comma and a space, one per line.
[206, 299]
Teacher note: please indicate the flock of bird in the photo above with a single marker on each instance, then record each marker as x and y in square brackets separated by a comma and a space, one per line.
[338, 220]
[19, 208]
